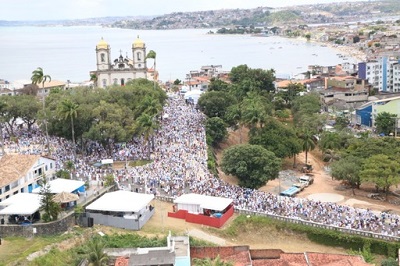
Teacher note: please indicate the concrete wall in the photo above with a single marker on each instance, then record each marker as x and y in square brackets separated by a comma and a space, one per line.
[121, 222]
[42, 229]
[213, 252]
[257, 254]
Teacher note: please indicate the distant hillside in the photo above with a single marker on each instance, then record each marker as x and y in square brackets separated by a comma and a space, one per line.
[74, 22]
[265, 16]
[257, 17]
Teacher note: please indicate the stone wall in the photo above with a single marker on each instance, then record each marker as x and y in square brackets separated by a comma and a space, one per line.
[42, 229]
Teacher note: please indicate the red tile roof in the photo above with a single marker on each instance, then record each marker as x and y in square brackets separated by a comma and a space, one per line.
[122, 261]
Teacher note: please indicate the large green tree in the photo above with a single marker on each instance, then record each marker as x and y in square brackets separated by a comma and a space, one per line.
[247, 80]
[381, 170]
[385, 123]
[29, 108]
[348, 169]
[38, 77]
[276, 137]
[252, 164]
[216, 130]
[215, 103]
[218, 85]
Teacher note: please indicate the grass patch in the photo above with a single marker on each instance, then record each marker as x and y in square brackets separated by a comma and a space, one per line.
[261, 225]
[139, 163]
[16, 249]
[195, 242]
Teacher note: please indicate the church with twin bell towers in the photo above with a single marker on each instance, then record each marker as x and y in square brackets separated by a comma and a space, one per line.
[122, 69]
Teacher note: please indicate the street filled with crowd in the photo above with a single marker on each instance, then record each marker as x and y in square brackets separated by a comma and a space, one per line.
[179, 165]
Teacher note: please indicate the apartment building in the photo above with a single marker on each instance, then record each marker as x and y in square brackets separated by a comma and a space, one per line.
[382, 74]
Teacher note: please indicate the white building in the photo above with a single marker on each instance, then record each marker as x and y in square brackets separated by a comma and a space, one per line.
[382, 74]
[122, 69]
[20, 173]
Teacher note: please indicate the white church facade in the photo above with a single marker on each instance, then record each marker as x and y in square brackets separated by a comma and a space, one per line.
[122, 69]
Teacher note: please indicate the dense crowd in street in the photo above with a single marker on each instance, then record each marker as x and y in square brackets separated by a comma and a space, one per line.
[179, 165]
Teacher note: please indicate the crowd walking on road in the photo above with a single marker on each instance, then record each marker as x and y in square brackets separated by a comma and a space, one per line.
[179, 165]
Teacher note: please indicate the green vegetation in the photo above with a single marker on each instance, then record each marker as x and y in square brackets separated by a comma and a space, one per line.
[385, 123]
[318, 235]
[216, 130]
[16, 249]
[139, 163]
[80, 247]
[48, 206]
[252, 164]
[209, 262]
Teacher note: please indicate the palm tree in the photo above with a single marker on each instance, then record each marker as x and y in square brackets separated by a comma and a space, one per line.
[151, 106]
[96, 254]
[153, 55]
[68, 109]
[38, 77]
[308, 142]
[93, 77]
[146, 125]
[3, 106]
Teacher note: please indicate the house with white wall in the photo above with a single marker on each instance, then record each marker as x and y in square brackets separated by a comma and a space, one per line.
[20, 173]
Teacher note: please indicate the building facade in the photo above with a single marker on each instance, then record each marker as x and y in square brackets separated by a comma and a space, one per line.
[383, 74]
[20, 173]
[122, 69]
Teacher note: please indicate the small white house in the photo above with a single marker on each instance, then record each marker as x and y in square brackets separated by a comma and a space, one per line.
[122, 209]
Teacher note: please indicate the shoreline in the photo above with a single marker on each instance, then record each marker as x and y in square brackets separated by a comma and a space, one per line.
[345, 50]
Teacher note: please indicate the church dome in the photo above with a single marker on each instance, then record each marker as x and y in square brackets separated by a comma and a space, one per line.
[102, 44]
[138, 43]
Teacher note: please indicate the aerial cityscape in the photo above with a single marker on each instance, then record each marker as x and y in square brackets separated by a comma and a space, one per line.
[226, 133]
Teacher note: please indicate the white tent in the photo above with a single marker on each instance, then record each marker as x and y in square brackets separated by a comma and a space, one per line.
[193, 95]
[121, 201]
[62, 185]
[195, 202]
[21, 203]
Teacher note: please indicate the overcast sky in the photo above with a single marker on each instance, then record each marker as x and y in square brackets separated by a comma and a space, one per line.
[75, 9]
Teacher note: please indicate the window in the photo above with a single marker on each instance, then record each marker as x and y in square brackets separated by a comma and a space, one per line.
[104, 83]
[51, 165]
[45, 168]
[122, 82]
[102, 57]
[115, 81]
[139, 56]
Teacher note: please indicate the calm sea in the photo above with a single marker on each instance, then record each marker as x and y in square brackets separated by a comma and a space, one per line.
[68, 53]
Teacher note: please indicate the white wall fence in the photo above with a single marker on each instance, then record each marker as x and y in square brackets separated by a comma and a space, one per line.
[307, 223]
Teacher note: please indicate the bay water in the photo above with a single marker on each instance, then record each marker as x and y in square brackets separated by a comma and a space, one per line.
[68, 53]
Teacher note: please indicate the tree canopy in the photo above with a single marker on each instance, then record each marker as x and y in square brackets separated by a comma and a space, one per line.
[252, 164]
[277, 138]
[385, 123]
[106, 115]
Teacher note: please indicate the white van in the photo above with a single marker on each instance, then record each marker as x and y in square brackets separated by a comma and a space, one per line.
[306, 179]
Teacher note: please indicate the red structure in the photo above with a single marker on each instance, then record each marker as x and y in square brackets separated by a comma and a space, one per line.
[197, 209]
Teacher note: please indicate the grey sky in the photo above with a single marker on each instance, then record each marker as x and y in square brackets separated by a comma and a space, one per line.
[73, 9]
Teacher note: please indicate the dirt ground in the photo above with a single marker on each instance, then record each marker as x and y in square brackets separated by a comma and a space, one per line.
[255, 237]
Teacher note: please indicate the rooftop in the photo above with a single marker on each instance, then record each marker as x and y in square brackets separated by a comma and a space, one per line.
[15, 166]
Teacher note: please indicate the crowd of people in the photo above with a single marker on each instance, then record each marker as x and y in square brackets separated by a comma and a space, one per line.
[179, 165]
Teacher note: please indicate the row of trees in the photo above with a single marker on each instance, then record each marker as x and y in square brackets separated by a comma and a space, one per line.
[250, 100]
[368, 160]
[105, 115]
